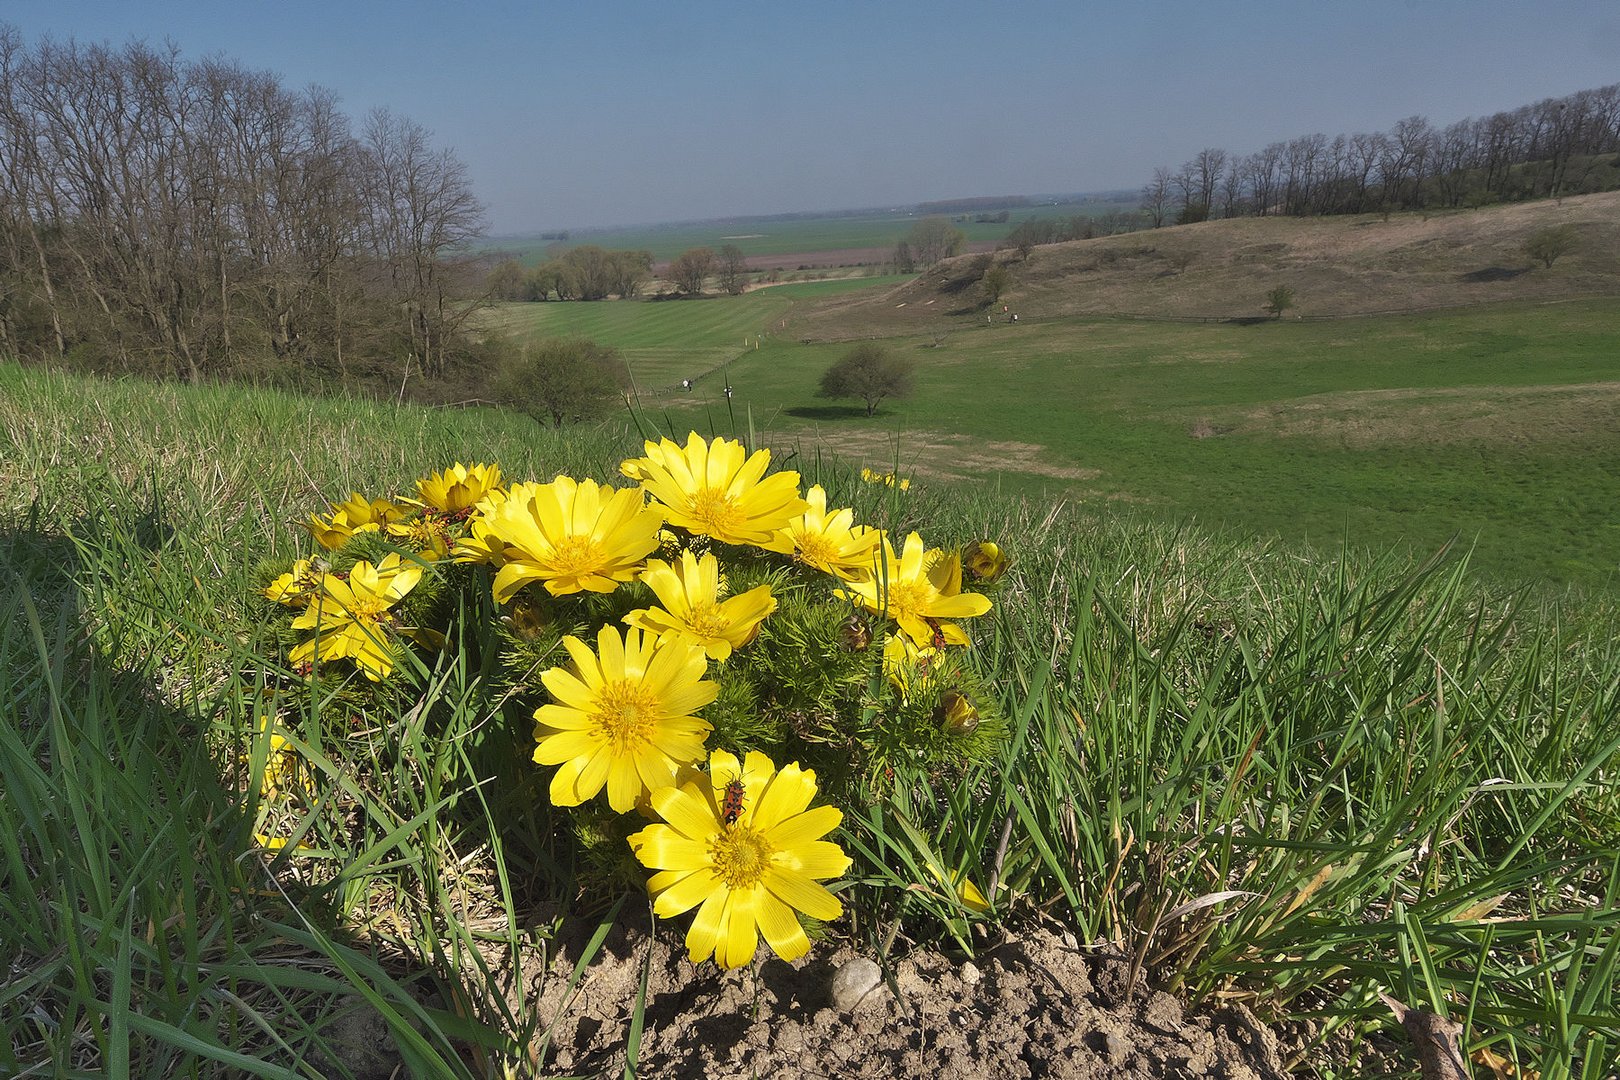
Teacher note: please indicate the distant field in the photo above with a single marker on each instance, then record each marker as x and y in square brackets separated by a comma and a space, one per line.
[763, 238]
[666, 341]
[1497, 425]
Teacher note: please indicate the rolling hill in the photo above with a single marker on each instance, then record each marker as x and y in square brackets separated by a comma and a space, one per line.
[1337, 266]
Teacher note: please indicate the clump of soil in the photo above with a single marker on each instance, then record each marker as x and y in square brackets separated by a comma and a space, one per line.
[1031, 1007]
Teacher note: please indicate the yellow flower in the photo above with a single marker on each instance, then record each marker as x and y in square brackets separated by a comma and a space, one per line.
[719, 490]
[425, 533]
[750, 874]
[873, 477]
[920, 592]
[459, 487]
[276, 843]
[906, 664]
[833, 543]
[956, 713]
[965, 890]
[281, 761]
[985, 561]
[351, 619]
[623, 717]
[358, 514]
[571, 535]
[693, 609]
[296, 586]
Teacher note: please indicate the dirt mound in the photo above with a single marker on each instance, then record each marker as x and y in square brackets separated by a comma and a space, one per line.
[1351, 265]
[1032, 1007]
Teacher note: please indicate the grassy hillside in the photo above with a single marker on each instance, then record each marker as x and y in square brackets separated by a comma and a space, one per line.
[1494, 425]
[1259, 775]
[666, 341]
[1223, 269]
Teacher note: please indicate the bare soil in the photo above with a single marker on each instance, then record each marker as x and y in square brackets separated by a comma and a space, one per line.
[1035, 1006]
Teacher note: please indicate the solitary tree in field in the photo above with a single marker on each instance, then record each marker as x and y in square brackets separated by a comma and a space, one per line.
[1279, 300]
[690, 268]
[733, 269]
[1546, 245]
[564, 379]
[868, 372]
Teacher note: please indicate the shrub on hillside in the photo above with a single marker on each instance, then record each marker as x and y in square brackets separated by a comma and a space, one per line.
[1546, 245]
[563, 379]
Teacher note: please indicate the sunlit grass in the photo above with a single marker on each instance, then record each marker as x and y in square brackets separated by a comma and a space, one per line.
[1262, 774]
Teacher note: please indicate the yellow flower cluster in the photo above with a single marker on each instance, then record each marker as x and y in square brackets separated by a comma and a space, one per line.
[736, 839]
[888, 479]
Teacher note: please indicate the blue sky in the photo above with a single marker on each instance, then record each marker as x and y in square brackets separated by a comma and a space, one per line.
[618, 112]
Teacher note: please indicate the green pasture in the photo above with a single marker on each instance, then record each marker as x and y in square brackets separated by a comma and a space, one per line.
[1269, 778]
[796, 236]
[1496, 426]
[666, 341]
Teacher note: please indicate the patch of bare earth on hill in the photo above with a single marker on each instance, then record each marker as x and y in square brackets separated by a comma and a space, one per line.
[1220, 270]
[1031, 1006]
[1497, 416]
[942, 456]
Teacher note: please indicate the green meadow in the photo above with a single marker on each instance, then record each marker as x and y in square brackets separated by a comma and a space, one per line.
[1492, 426]
[665, 341]
[1268, 776]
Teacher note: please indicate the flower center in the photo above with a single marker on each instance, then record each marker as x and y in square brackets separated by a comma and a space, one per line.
[816, 549]
[908, 598]
[706, 620]
[625, 714]
[741, 856]
[368, 609]
[717, 510]
[576, 554]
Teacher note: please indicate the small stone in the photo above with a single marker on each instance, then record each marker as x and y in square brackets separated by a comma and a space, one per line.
[852, 982]
[969, 973]
[1162, 1013]
[1069, 940]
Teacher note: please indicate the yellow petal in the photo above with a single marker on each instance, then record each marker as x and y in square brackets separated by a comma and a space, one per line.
[802, 894]
[739, 936]
[704, 932]
[781, 928]
[687, 813]
[788, 833]
[788, 793]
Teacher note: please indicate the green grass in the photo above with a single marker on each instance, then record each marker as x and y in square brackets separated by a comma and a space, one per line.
[1264, 774]
[1494, 425]
[665, 341]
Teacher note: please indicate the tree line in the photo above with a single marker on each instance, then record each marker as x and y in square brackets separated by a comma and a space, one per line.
[197, 219]
[1559, 146]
